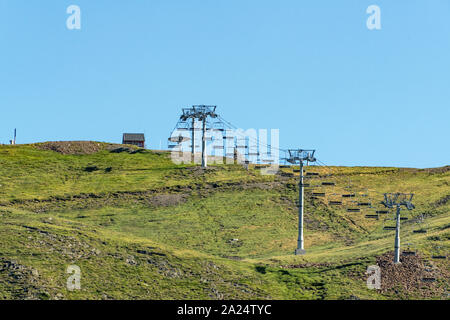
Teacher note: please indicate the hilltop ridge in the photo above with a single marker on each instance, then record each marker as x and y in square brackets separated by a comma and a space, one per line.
[142, 227]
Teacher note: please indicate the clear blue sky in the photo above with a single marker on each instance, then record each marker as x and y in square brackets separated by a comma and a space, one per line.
[309, 68]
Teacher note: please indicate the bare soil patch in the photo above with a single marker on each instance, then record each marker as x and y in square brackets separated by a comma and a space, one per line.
[165, 200]
[437, 170]
[85, 147]
[413, 276]
[71, 147]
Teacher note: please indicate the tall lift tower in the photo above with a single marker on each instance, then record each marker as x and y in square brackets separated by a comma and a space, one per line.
[397, 200]
[201, 113]
[298, 156]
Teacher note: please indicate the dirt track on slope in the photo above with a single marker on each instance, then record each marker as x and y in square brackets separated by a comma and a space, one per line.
[166, 196]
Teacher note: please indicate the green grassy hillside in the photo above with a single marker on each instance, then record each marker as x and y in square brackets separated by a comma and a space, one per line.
[141, 227]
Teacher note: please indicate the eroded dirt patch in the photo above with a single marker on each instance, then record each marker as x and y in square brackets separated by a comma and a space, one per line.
[71, 147]
[413, 276]
[165, 200]
[438, 170]
[166, 196]
[85, 147]
[441, 202]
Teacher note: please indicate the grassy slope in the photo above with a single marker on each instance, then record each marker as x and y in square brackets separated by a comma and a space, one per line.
[54, 213]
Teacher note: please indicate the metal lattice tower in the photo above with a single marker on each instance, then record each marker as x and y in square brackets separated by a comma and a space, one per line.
[397, 200]
[201, 113]
[298, 156]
